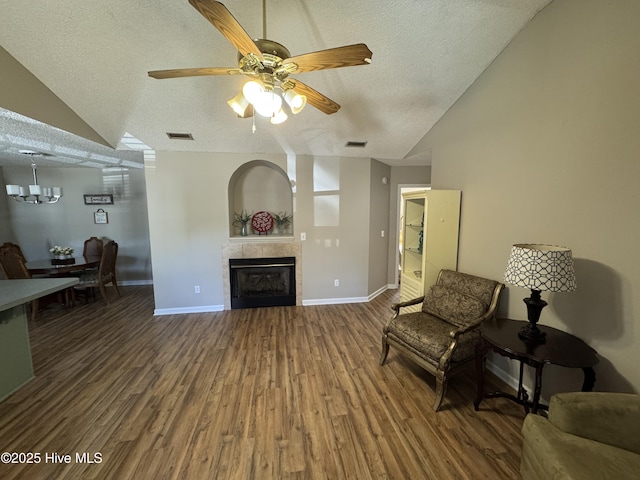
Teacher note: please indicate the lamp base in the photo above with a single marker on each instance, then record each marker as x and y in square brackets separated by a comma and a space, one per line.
[530, 333]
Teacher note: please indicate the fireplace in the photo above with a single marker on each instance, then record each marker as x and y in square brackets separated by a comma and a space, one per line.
[262, 282]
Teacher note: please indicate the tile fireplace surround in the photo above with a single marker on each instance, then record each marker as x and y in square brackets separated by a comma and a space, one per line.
[260, 250]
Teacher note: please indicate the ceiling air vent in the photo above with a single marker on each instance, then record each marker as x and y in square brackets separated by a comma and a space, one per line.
[179, 136]
[33, 153]
[356, 144]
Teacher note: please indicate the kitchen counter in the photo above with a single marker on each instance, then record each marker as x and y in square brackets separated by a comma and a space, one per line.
[16, 367]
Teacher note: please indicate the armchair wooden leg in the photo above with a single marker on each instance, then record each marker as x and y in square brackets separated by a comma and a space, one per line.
[441, 389]
[385, 351]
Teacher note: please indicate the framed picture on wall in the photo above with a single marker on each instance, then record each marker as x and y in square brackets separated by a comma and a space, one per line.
[100, 216]
[98, 199]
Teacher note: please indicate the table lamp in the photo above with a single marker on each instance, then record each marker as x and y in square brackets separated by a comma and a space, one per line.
[539, 267]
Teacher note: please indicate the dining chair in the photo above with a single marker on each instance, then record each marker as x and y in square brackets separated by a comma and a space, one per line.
[15, 268]
[105, 275]
[93, 247]
[14, 247]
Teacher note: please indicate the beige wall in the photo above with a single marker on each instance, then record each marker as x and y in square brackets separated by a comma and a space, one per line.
[6, 229]
[380, 209]
[69, 222]
[544, 146]
[331, 205]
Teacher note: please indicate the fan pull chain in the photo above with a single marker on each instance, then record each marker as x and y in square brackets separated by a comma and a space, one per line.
[253, 126]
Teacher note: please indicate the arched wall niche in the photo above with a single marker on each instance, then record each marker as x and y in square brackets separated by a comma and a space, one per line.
[258, 186]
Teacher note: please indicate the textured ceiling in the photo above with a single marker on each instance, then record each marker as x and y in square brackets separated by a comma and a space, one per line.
[94, 55]
[23, 140]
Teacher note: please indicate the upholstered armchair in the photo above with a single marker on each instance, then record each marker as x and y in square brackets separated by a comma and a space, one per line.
[444, 335]
[587, 435]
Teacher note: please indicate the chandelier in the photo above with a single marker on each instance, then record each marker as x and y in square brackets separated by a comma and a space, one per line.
[34, 194]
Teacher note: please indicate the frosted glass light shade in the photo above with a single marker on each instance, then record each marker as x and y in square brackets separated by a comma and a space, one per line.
[268, 104]
[239, 104]
[295, 101]
[279, 117]
[13, 189]
[252, 91]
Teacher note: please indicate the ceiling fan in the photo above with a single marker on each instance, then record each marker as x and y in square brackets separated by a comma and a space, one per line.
[270, 65]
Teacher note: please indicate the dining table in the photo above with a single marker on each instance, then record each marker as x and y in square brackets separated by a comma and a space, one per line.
[63, 268]
[55, 269]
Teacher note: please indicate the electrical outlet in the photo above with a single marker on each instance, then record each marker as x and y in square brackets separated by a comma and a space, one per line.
[196, 289]
[303, 237]
[382, 233]
[336, 283]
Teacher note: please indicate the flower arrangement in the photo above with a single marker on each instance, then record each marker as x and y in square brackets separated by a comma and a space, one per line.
[282, 219]
[242, 218]
[57, 250]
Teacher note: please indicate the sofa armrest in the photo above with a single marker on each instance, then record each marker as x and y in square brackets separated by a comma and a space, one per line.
[611, 418]
[550, 453]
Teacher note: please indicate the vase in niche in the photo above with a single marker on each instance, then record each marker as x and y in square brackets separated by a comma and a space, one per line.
[244, 230]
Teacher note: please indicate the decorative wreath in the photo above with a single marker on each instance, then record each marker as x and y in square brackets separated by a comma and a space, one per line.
[262, 222]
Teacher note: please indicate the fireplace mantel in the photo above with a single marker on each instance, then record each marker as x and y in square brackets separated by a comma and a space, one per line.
[261, 249]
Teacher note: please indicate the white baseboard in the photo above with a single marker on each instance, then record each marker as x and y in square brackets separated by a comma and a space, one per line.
[381, 290]
[220, 308]
[334, 301]
[181, 310]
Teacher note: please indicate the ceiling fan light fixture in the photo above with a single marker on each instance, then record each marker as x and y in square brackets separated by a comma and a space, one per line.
[268, 104]
[252, 90]
[270, 63]
[295, 101]
[240, 105]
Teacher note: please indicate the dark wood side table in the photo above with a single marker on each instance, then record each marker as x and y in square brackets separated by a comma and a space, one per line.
[561, 348]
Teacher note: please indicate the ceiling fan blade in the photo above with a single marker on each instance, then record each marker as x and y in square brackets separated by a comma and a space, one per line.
[193, 72]
[315, 98]
[347, 56]
[222, 19]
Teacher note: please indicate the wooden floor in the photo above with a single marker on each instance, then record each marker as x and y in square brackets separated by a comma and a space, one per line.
[277, 393]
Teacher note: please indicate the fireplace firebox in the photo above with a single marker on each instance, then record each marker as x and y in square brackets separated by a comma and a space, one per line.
[262, 282]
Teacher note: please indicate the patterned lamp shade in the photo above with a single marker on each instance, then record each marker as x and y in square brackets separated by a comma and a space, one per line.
[541, 267]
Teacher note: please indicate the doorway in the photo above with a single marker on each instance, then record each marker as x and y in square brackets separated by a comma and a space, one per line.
[406, 188]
